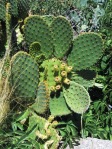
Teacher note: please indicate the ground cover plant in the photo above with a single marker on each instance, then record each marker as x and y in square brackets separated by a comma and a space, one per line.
[45, 76]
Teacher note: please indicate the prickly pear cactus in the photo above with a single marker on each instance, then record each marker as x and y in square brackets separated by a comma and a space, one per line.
[41, 104]
[37, 30]
[36, 53]
[65, 76]
[44, 131]
[77, 98]
[62, 34]
[23, 8]
[56, 73]
[34, 49]
[14, 7]
[24, 75]
[58, 106]
[87, 49]
[49, 19]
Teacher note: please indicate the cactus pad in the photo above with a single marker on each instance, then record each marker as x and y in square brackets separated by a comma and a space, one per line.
[48, 18]
[24, 75]
[36, 30]
[43, 130]
[23, 8]
[87, 49]
[42, 100]
[58, 106]
[55, 72]
[14, 7]
[85, 78]
[34, 49]
[77, 98]
[62, 34]
[2, 10]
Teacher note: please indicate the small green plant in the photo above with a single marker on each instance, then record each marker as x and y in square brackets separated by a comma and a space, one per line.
[68, 131]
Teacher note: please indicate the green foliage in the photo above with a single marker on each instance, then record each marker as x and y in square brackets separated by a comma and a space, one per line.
[97, 122]
[86, 14]
[68, 131]
[23, 8]
[2, 10]
[51, 50]
[14, 7]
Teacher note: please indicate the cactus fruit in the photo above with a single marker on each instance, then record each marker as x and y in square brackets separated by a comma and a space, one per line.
[48, 73]
[2, 10]
[77, 97]
[62, 34]
[54, 72]
[87, 49]
[42, 100]
[58, 106]
[36, 30]
[24, 75]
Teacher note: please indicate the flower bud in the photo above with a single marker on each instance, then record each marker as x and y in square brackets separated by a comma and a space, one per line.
[58, 87]
[63, 73]
[52, 88]
[67, 81]
[58, 79]
[56, 67]
[62, 66]
[69, 68]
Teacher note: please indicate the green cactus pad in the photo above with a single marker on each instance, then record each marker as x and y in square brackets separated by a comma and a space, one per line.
[14, 7]
[48, 18]
[87, 49]
[36, 53]
[42, 100]
[36, 30]
[35, 49]
[24, 75]
[77, 98]
[23, 8]
[2, 10]
[48, 73]
[85, 78]
[58, 106]
[57, 73]
[62, 34]
[42, 129]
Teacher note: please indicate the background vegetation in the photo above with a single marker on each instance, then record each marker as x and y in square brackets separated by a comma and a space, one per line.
[85, 16]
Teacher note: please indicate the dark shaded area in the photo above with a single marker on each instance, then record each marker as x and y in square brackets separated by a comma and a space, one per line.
[87, 74]
[95, 93]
